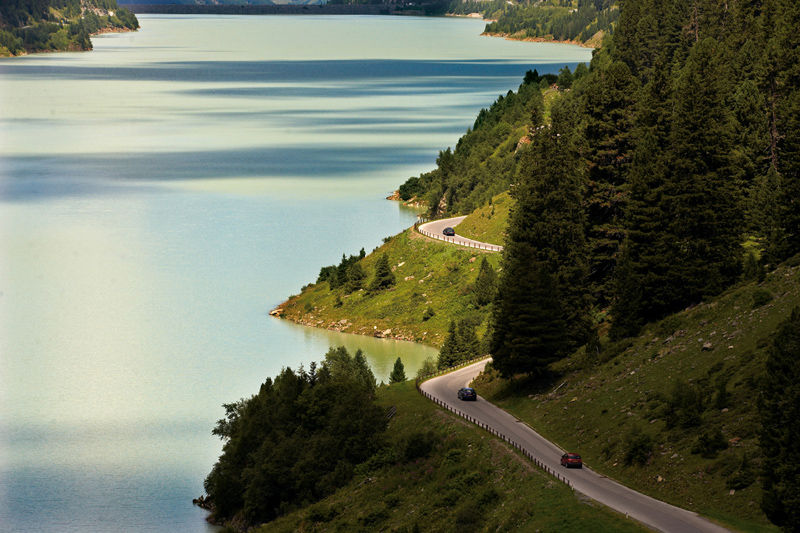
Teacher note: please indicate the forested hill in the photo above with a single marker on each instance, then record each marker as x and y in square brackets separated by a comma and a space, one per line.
[484, 160]
[28, 26]
[682, 141]
[584, 21]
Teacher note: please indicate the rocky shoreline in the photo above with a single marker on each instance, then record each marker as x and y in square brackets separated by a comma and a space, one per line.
[345, 326]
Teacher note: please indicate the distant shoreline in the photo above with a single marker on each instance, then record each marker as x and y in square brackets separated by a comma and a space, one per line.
[286, 9]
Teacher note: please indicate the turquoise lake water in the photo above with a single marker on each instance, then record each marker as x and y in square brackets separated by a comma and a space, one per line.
[160, 194]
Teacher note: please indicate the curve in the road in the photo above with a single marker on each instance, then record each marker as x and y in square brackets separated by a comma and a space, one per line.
[649, 511]
[434, 230]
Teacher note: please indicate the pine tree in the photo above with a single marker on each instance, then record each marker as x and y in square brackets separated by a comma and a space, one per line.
[782, 83]
[355, 277]
[779, 408]
[699, 197]
[485, 284]
[384, 277]
[398, 374]
[608, 105]
[468, 341]
[528, 331]
[548, 216]
[685, 217]
[451, 348]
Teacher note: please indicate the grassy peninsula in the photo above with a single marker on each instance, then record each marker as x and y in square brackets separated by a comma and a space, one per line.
[434, 285]
[58, 25]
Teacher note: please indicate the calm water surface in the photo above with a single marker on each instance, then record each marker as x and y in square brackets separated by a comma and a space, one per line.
[160, 194]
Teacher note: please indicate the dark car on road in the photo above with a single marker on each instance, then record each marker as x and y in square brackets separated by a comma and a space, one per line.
[467, 393]
[449, 232]
[571, 460]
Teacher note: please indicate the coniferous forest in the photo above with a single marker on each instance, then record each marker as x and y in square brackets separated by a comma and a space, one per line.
[665, 167]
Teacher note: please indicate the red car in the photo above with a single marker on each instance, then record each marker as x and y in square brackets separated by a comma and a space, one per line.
[571, 460]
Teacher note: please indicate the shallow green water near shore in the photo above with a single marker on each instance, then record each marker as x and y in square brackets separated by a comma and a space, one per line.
[160, 194]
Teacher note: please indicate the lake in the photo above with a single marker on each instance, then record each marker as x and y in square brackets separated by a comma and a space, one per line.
[160, 194]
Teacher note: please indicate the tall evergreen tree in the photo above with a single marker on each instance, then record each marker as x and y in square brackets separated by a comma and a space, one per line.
[528, 329]
[451, 348]
[485, 284]
[398, 374]
[699, 195]
[384, 277]
[779, 407]
[355, 277]
[783, 100]
[548, 216]
[608, 99]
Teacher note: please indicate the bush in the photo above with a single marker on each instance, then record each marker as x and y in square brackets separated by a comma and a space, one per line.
[638, 447]
[469, 516]
[742, 477]
[684, 406]
[428, 314]
[761, 297]
[709, 444]
[419, 445]
[321, 513]
[428, 367]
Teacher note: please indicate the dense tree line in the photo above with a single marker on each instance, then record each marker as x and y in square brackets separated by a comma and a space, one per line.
[348, 273]
[483, 162]
[563, 20]
[295, 441]
[45, 25]
[679, 143]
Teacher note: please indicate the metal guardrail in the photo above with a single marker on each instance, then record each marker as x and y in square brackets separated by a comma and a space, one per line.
[528, 454]
[477, 245]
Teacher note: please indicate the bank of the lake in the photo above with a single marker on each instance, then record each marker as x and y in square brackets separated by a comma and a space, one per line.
[595, 42]
[160, 194]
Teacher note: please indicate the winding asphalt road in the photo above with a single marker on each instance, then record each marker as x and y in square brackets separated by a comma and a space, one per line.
[649, 511]
[434, 230]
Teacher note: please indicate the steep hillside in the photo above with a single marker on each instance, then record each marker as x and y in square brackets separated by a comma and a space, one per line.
[488, 223]
[442, 474]
[671, 412]
[486, 158]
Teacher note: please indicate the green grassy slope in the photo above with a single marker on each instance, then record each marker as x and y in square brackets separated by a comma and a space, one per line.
[469, 480]
[488, 223]
[657, 383]
[429, 274]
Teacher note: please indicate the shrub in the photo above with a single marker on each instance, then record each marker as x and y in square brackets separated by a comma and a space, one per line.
[709, 444]
[638, 447]
[428, 367]
[469, 516]
[321, 513]
[684, 406]
[419, 445]
[761, 297]
[742, 477]
[428, 314]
